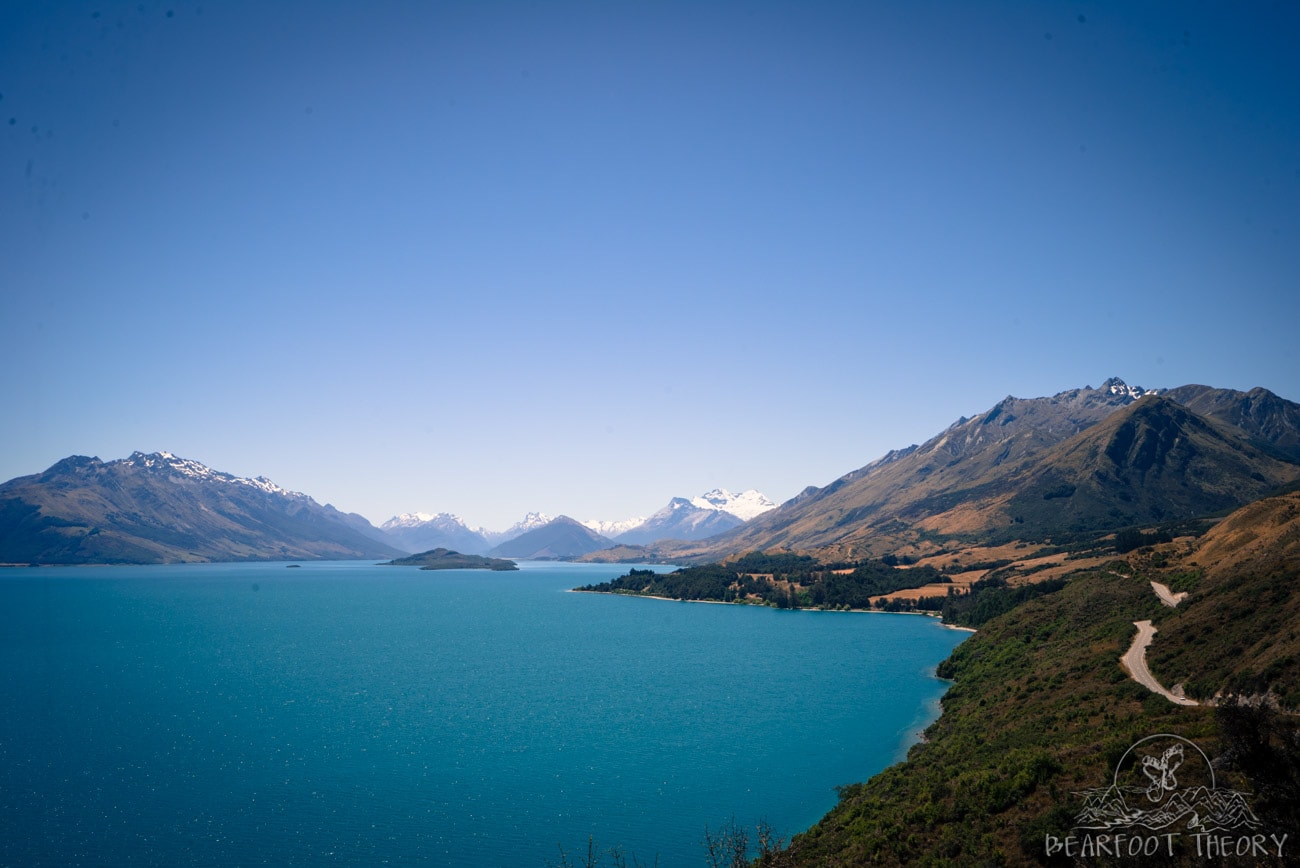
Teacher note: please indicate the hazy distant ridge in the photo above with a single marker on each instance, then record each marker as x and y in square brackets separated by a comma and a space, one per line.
[562, 538]
[683, 518]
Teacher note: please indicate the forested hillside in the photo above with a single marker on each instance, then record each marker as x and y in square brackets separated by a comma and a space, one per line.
[1041, 709]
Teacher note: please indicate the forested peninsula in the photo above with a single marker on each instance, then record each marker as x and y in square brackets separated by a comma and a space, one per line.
[796, 581]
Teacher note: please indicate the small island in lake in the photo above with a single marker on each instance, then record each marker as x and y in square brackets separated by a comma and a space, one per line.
[446, 559]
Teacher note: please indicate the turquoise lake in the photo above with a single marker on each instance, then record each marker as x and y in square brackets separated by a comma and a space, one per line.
[352, 714]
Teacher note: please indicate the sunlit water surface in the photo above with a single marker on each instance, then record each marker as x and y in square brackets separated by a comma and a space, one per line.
[348, 713]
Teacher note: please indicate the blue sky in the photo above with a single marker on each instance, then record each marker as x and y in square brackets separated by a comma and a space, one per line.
[488, 258]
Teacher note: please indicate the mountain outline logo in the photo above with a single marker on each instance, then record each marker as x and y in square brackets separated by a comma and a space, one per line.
[1164, 801]
[1146, 793]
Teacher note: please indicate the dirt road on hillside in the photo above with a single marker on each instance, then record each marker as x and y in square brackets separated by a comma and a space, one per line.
[1135, 662]
[1168, 597]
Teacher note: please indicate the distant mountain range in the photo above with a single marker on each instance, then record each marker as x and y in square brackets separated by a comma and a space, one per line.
[682, 519]
[421, 532]
[531, 521]
[159, 508]
[1079, 461]
[1082, 460]
[697, 518]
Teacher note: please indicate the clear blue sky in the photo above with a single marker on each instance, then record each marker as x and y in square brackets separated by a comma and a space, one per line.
[581, 257]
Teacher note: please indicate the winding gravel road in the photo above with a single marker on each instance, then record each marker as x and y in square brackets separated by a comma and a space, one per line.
[1135, 661]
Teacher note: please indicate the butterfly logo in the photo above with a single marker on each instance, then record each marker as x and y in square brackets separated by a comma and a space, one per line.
[1161, 772]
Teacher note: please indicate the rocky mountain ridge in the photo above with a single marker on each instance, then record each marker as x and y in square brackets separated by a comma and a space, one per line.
[158, 508]
[1036, 467]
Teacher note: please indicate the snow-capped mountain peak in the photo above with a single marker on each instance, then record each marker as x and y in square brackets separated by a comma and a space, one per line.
[422, 531]
[1117, 387]
[417, 519]
[531, 521]
[743, 506]
[687, 517]
[612, 529]
[190, 469]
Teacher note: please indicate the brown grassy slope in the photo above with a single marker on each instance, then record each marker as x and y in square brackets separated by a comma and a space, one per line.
[1238, 631]
[1261, 532]
[858, 515]
[1152, 461]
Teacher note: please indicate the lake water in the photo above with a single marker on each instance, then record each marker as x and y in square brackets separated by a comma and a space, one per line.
[352, 714]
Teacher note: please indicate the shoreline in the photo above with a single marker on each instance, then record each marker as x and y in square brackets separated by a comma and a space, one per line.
[913, 737]
[937, 617]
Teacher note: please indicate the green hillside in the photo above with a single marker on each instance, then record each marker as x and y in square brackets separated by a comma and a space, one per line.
[1041, 709]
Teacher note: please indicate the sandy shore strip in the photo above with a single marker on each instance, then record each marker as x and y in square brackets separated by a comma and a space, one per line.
[1134, 662]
